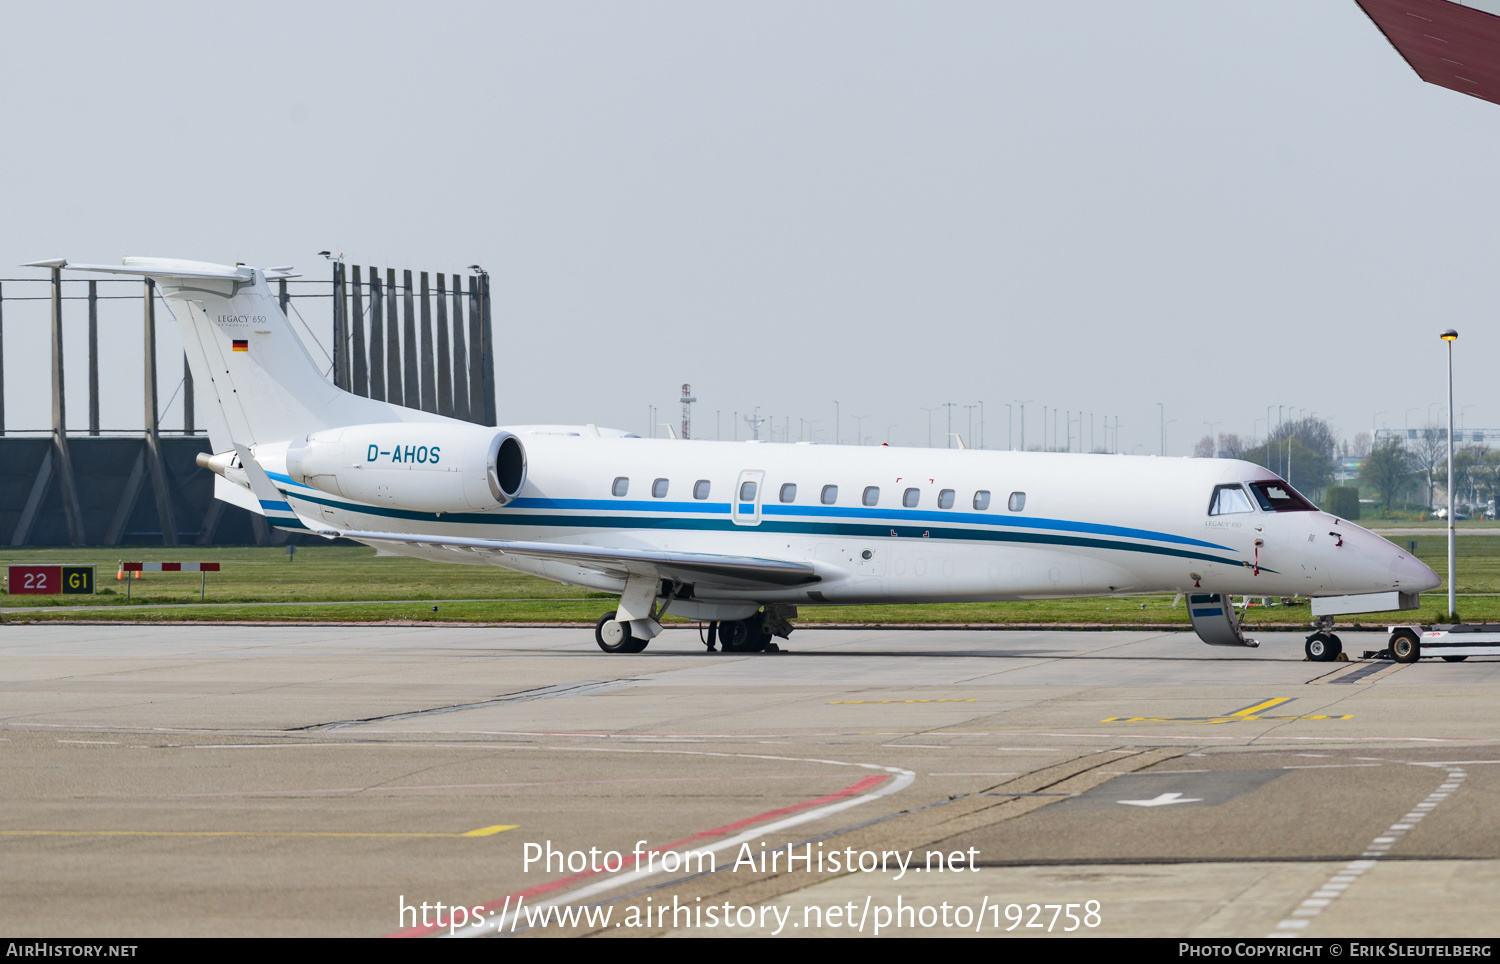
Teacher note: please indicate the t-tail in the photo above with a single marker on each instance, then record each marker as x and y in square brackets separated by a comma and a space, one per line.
[261, 382]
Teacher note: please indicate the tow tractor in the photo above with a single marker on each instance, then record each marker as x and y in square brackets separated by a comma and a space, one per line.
[1409, 643]
[1454, 643]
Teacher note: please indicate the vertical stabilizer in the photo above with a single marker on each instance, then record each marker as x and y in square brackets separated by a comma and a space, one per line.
[253, 371]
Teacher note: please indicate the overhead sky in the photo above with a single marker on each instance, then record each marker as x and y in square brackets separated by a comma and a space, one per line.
[1091, 206]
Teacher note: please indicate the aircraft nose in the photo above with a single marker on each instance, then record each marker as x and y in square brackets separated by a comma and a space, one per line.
[1415, 575]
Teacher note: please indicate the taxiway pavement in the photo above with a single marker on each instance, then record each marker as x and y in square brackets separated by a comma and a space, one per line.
[166, 780]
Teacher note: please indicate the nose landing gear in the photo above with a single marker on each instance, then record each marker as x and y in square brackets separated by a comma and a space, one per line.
[1323, 647]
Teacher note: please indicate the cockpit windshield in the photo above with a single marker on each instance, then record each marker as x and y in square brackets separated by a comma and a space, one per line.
[1277, 496]
[1229, 499]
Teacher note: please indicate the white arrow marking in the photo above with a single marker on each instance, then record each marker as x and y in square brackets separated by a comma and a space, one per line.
[1162, 800]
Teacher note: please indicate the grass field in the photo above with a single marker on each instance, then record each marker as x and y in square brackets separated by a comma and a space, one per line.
[353, 584]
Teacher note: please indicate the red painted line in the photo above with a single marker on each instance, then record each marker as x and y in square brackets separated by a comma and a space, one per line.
[131, 566]
[561, 883]
[171, 567]
[492, 786]
[628, 737]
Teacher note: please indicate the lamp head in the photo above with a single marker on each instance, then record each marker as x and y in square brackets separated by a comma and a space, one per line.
[1449, 335]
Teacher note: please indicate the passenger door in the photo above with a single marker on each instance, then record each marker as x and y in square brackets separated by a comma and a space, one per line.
[746, 511]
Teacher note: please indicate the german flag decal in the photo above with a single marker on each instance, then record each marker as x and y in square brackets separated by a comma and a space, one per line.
[241, 344]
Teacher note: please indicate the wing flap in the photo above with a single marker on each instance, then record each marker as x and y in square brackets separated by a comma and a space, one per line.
[731, 572]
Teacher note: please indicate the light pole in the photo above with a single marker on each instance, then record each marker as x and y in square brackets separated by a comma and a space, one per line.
[929, 412]
[1023, 423]
[1450, 336]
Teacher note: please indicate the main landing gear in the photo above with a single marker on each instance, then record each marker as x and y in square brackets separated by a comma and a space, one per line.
[754, 634]
[750, 635]
[614, 636]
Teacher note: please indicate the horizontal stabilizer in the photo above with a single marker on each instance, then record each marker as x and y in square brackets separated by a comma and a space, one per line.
[171, 268]
[159, 267]
[273, 504]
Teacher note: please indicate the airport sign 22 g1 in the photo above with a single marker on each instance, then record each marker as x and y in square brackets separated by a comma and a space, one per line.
[50, 580]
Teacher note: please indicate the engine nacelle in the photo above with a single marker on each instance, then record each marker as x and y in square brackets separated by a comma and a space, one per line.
[425, 466]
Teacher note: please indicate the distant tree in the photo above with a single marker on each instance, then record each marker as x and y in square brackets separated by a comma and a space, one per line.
[1342, 501]
[1475, 468]
[1430, 449]
[1314, 433]
[1308, 471]
[1230, 446]
[1389, 469]
[1204, 449]
[1486, 476]
[1361, 446]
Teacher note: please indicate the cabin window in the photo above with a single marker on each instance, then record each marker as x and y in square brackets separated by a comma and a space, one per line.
[1017, 501]
[700, 489]
[621, 486]
[982, 499]
[789, 492]
[911, 497]
[747, 492]
[1279, 497]
[1229, 499]
[872, 495]
[659, 489]
[945, 499]
[830, 494]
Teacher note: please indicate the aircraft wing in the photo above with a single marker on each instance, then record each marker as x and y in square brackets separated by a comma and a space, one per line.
[703, 568]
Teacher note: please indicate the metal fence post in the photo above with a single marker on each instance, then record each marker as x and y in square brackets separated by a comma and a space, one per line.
[154, 461]
[460, 358]
[487, 360]
[444, 353]
[377, 337]
[340, 329]
[360, 385]
[476, 355]
[393, 391]
[409, 346]
[72, 510]
[93, 358]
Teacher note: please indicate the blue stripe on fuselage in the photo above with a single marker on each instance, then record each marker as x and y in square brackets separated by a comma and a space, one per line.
[885, 529]
[899, 516]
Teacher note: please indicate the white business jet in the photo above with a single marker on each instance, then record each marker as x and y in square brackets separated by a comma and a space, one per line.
[739, 534]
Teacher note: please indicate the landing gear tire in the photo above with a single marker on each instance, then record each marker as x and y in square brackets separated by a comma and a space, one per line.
[1323, 647]
[1405, 647]
[614, 636]
[743, 635]
[1454, 659]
